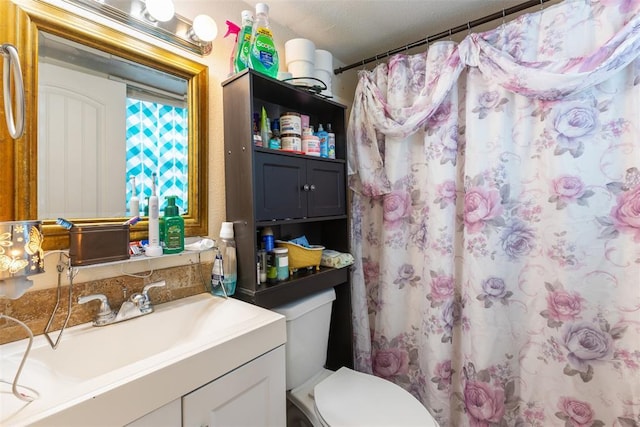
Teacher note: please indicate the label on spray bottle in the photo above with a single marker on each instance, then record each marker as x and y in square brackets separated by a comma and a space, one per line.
[263, 55]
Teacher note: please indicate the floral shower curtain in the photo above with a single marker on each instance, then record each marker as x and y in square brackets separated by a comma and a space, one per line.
[496, 221]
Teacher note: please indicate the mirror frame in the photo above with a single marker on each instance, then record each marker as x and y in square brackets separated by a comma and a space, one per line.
[18, 174]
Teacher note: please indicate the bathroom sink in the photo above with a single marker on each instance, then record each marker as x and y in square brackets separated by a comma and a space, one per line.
[89, 352]
[94, 368]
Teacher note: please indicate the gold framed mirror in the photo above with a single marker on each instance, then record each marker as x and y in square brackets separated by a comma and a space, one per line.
[24, 19]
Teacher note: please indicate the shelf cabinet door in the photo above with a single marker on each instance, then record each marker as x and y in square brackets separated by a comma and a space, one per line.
[279, 187]
[298, 187]
[325, 181]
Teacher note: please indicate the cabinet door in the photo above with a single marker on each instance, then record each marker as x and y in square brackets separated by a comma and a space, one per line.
[251, 395]
[325, 192]
[279, 187]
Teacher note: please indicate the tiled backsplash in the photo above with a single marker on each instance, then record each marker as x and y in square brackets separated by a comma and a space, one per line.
[34, 308]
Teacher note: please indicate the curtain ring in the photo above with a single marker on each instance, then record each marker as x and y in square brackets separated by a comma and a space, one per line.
[450, 32]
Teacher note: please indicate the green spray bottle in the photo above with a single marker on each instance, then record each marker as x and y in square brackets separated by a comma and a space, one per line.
[244, 42]
[232, 29]
[263, 56]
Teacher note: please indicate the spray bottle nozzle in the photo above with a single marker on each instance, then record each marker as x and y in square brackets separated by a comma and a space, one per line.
[232, 29]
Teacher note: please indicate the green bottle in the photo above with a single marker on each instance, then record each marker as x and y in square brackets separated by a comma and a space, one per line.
[244, 42]
[173, 228]
[263, 56]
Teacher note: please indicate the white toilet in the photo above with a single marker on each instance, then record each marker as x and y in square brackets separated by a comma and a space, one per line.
[341, 398]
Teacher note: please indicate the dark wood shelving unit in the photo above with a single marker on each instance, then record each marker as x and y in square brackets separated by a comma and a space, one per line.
[266, 188]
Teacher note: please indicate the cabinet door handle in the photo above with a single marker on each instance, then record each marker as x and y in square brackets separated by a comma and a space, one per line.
[312, 187]
[305, 187]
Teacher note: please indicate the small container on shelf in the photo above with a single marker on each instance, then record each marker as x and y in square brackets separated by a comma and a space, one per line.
[301, 257]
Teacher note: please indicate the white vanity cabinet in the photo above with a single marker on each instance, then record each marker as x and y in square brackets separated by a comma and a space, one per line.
[252, 395]
[169, 415]
[197, 361]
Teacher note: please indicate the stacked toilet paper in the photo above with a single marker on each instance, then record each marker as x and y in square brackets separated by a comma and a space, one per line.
[304, 60]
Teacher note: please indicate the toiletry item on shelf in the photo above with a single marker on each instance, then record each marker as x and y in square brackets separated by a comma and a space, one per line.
[134, 202]
[244, 42]
[257, 139]
[331, 142]
[274, 142]
[268, 241]
[281, 260]
[311, 145]
[227, 250]
[265, 128]
[262, 266]
[263, 55]
[323, 136]
[232, 28]
[154, 248]
[173, 224]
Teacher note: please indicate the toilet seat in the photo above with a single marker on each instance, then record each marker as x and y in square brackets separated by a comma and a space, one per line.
[350, 398]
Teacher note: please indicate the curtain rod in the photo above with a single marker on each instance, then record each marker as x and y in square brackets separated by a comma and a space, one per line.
[469, 25]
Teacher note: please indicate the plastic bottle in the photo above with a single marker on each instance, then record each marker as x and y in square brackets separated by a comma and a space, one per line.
[268, 241]
[244, 42]
[154, 248]
[134, 202]
[225, 262]
[331, 142]
[274, 142]
[232, 29]
[173, 224]
[263, 55]
[323, 136]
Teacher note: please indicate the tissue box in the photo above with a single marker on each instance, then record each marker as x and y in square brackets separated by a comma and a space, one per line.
[97, 243]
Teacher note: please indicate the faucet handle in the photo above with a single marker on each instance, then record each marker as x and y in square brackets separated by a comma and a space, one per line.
[145, 304]
[105, 314]
[145, 290]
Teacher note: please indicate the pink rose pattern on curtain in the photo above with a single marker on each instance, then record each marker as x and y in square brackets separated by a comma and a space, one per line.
[496, 221]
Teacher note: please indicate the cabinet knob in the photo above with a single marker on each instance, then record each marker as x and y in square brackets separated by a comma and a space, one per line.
[305, 187]
[312, 187]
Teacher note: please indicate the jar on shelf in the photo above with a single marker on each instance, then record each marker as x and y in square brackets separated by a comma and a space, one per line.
[282, 263]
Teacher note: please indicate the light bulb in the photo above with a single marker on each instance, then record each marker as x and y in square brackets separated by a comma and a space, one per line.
[160, 10]
[204, 28]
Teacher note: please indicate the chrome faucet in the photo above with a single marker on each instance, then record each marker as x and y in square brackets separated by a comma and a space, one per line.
[137, 305]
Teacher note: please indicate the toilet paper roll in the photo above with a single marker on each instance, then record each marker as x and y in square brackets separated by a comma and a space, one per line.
[299, 50]
[323, 60]
[300, 69]
[325, 76]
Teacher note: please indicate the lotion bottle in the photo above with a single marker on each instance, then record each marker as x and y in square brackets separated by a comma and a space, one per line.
[154, 248]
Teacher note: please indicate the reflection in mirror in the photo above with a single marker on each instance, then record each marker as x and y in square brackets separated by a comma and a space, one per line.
[105, 125]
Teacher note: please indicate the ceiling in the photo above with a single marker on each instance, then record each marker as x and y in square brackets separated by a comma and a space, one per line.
[358, 29]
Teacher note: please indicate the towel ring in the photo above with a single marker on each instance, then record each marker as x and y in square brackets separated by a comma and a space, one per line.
[11, 62]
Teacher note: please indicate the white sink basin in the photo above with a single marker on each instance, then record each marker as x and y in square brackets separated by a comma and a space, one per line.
[92, 367]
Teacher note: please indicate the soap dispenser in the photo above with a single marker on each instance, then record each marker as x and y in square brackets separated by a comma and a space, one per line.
[173, 228]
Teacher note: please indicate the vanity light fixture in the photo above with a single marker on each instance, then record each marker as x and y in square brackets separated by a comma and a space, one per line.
[203, 30]
[159, 10]
[156, 18]
[21, 255]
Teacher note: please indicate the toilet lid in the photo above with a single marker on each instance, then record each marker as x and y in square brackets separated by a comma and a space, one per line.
[350, 398]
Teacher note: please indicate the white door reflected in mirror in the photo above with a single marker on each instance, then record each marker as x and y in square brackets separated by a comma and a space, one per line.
[101, 121]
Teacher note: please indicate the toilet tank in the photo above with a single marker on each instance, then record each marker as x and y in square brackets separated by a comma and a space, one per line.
[308, 321]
